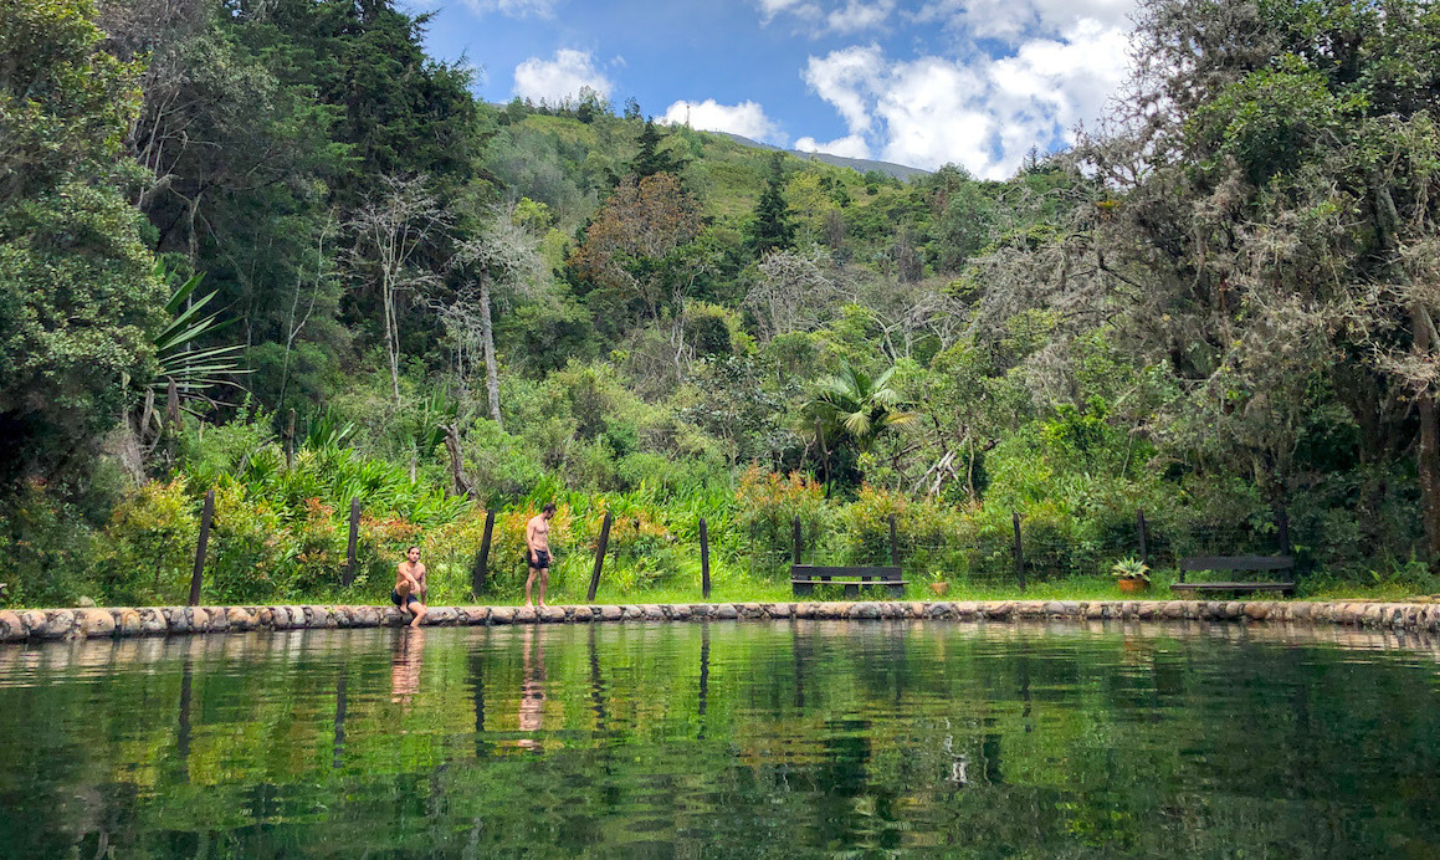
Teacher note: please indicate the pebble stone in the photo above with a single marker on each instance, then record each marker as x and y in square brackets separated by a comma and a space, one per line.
[125, 622]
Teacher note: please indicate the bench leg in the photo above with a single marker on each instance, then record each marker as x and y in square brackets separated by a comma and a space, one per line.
[802, 589]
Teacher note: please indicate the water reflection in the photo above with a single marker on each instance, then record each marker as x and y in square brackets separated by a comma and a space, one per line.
[532, 688]
[406, 661]
[695, 740]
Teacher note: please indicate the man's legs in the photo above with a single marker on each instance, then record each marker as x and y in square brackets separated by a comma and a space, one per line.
[544, 582]
[420, 611]
[529, 583]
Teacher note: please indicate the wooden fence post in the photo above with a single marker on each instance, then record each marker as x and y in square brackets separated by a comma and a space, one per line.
[206, 515]
[349, 575]
[704, 561]
[1140, 531]
[1019, 551]
[798, 541]
[894, 544]
[482, 558]
[599, 557]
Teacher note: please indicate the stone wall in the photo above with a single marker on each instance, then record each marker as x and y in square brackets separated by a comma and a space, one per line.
[94, 623]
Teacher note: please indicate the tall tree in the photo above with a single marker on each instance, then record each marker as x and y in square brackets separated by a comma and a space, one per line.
[393, 232]
[79, 302]
[772, 228]
[652, 158]
[639, 229]
[503, 254]
[1260, 221]
[852, 407]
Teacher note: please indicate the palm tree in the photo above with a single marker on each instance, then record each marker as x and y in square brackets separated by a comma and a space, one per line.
[853, 407]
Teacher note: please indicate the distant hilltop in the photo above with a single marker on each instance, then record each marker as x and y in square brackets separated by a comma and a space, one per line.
[860, 165]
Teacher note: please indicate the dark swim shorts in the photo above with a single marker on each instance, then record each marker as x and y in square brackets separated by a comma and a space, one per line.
[541, 559]
[396, 599]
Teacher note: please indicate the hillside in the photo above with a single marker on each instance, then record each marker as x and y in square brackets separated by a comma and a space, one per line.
[859, 165]
[212, 223]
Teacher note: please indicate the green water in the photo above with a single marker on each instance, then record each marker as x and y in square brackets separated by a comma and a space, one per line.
[721, 740]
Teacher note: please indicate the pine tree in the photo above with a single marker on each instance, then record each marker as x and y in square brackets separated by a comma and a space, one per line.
[651, 160]
[772, 229]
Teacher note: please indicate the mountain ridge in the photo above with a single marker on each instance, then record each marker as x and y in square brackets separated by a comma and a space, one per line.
[859, 165]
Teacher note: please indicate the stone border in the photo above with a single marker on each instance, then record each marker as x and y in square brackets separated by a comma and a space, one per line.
[99, 623]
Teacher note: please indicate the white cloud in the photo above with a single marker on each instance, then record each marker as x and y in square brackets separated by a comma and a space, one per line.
[858, 16]
[1015, 20]
[509, 8]
[850, 146]
[746, 119]
[934, 113]
[845, 79]
[799, 8]
[982, 113]
[555, 80]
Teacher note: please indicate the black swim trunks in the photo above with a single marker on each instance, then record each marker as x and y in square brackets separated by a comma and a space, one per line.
[538, 559]
[396, 599]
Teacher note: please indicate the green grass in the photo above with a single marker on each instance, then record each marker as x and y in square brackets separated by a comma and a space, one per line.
[733, 582]
[729, 585]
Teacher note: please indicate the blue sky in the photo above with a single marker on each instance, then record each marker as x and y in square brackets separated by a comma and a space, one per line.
[971, 82]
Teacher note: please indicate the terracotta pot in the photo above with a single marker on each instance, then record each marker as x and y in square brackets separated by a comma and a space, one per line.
[1130, 586]
[939, 587]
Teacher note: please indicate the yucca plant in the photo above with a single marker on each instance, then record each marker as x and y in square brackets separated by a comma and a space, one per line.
[190, 369]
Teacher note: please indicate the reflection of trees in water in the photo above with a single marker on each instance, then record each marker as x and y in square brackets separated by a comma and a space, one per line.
[704, 693]
[597, 685]
[1122, 756]
[341, 704]
[476, 661]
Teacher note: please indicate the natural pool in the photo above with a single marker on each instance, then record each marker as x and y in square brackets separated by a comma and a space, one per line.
[723, 739]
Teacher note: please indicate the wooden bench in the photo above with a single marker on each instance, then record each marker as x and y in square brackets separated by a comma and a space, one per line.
[1238, 563]
[804, 578]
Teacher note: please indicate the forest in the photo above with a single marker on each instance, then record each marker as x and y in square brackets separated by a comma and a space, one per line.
[272, 249]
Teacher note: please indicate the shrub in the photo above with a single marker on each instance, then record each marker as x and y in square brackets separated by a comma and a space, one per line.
[767, 505]
[643, 549]
[147, 551]
[251, 553]
[320, 543]
[44, 546]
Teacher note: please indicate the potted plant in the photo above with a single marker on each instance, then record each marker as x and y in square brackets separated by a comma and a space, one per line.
[1132, 574]
[938, 583]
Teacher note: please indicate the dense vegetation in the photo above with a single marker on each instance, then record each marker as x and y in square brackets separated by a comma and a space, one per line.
[216, 212]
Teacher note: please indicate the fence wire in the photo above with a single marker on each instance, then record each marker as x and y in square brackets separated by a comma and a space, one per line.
[1048, 552]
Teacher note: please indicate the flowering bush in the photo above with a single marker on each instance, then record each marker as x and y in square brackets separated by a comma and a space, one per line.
[768, 504]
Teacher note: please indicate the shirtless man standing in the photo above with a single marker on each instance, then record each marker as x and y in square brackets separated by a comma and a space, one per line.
[537, 551]
[410, 581]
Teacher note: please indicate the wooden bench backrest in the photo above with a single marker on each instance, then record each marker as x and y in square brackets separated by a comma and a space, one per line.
[1237, 562]
[815, 571]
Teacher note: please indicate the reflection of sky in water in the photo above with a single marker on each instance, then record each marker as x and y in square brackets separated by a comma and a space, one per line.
[729, 738]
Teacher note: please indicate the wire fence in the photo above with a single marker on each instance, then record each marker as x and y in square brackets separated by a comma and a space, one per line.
[1027, 552]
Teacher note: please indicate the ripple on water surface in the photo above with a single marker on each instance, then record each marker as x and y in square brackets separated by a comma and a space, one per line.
[720, 739]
